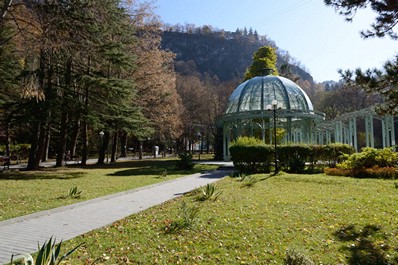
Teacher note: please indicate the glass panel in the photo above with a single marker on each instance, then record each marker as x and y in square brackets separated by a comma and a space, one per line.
[251, 100]
[233, 101]
[256, 97]
[245, 101]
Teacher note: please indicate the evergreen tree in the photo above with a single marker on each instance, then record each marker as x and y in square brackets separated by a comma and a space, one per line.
[385, 22]
[264, 61]
[256, 35]
[77, 65]
[383, 81]
[9, 70]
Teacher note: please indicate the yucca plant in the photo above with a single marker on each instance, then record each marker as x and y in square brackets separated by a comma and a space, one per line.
[74, 193]
[241, 176]
[188, 216]
[164, 173]
[296, 258]
[208, 192]
[48, 254]
[250, 181]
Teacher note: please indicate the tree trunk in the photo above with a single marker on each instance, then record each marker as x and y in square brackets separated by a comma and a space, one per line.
[46, 144]
[123, 143]
[33, 146]
[114, 148]
[40, 117]
[85, 125]
[8, 138]
[40, 145]
[62, 139]
[73, 137]
[140, 151]
[207, 143]
[84, 143]
[37, 146]
[64, 116]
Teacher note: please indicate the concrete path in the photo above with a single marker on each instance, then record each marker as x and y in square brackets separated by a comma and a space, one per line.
[22, 234]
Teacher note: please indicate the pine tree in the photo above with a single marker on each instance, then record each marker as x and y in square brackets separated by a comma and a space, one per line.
[384, 81]
[385, 22]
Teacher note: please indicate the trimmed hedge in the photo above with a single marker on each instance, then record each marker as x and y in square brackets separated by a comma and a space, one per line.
[292, 158]
[251, 155]
[252, 158]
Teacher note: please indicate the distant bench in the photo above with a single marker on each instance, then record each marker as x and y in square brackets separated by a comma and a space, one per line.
[6, 161]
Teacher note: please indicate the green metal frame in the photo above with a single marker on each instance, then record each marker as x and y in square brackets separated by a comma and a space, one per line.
[299, 127]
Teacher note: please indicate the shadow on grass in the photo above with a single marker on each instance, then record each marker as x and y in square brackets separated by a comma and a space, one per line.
[367, 245]
[145, 168]
[39, 175]
[147, 163]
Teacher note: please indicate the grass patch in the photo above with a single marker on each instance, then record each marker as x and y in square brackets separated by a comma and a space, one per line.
[329, 220]
[28, 192]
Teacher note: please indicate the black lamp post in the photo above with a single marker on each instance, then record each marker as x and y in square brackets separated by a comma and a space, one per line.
[101, 134]
[274, 106]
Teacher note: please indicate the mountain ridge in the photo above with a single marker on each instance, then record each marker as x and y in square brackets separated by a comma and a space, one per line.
[219, 54]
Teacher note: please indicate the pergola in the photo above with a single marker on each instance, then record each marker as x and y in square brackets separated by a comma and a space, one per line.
[343, 129]
[253, 105]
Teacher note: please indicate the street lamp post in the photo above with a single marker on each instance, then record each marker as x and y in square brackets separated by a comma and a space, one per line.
[274, 106]
[101, 134]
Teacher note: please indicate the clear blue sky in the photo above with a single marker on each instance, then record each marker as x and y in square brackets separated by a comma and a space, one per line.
[313, 34]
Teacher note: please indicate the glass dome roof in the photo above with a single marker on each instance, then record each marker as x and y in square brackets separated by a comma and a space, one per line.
[255, 94]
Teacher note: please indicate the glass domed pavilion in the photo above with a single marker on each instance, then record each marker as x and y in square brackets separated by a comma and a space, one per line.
[249, 112]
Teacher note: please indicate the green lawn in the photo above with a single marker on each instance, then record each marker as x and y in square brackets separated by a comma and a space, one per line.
[28, 192]
[331, 220]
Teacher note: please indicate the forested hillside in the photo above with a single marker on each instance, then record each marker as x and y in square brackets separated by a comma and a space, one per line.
[222, 54]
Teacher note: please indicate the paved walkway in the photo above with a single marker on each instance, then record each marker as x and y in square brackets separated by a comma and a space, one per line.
[22, 234]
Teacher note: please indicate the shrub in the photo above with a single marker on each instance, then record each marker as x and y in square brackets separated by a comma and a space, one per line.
[247, 141]
[73, 193]
[250, 155]
[375, 172]
[184, 162]
[21, 150]
[208, 192]
[163, 174]
[240, 176]
[187, 218]
[252, 159]
[334, 153]
[370, 163]
[296, 258]
[48, 254]
[333, 171]
[293, 157]
[370, 157]
[250, 181]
